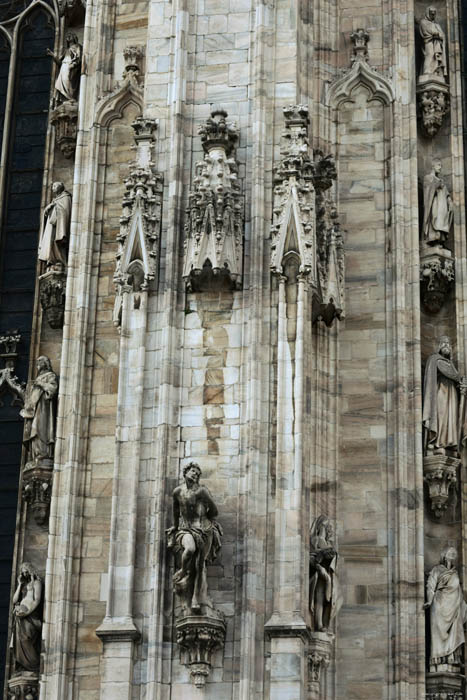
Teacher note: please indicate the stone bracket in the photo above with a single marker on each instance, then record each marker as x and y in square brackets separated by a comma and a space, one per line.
[24, 686]
[65, 120]
[319, 657]
[37, 491]
[440, 475]
[52, 288]
[117, 631]
[444, 686]
[433, 104]
[200, 636]
[436, 278]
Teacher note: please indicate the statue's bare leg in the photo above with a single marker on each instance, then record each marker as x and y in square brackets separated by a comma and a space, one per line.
[182, 576]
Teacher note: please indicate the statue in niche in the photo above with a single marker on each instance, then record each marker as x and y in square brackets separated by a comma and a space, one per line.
[67, 83]
[39, 413]
[27, 623]
[56, 228]
[438, 208]
[434, 46]
[323, 579]
[442, 419]
[196, 535]
[448, 613]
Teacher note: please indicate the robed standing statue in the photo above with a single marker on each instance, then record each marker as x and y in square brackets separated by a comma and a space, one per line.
[443, 412]
[27, 622]
[67, 83]
[434, 47]
[53, 242]
[39, 413]
[448, 613]
[323, 580]
[438, 208]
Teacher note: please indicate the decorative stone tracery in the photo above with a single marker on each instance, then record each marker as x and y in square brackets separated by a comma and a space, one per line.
[9, 382]
[214, 225]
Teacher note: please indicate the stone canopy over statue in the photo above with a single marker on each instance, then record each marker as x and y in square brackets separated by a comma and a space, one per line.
[438, 208]
[56, 228]
[39, 415]
[434, 47]
[196, 536]
[443, 412]
[448, 614]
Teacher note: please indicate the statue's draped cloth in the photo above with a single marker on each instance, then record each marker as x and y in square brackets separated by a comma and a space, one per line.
[448, 613]
[38, 411]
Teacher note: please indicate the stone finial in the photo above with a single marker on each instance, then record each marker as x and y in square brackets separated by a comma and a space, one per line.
[217, 133]
[360, 38]
[214, 219]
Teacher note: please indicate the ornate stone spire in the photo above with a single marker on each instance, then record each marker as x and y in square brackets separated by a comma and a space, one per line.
[214, 226]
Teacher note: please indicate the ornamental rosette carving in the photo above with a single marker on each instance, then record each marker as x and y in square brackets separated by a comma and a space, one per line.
[214, 217]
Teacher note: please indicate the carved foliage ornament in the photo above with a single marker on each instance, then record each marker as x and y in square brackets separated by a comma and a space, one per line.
[305, 217]
[214, 223]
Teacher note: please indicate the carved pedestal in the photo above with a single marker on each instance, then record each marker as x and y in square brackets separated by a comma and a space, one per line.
[65, 120]
[436, 276]
[433, 104]
[444, 686]
[318, 659]
[198, 636]
[52, 288]
[24, 686]
[440, 472]
[37, 490]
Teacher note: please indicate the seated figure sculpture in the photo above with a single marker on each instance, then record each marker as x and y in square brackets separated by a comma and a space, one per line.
[196, 536]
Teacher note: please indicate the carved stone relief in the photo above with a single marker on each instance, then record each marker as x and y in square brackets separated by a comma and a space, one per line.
[214, 223]
[195, 539]
[436, 260]
[432, 86]
[26, 634]
[138, 240]
[9, 382]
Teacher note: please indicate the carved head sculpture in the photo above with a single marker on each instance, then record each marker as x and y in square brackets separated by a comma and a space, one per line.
[192, 472]
[444, 346]
[43, 364]
[448, 557]
[71, 38]
[57, 188]
[437, 166]
[322, 532]
[27, 571]
[431, 13]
